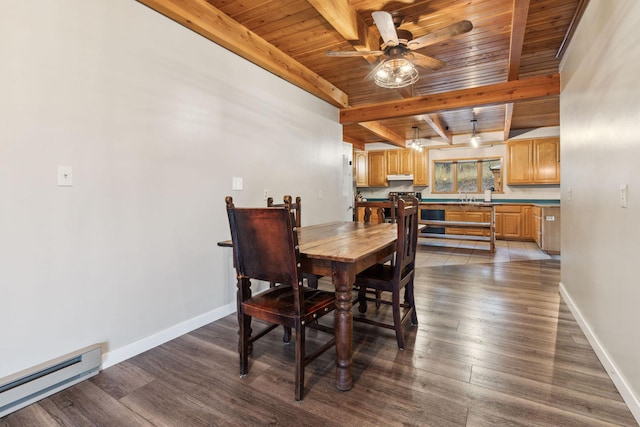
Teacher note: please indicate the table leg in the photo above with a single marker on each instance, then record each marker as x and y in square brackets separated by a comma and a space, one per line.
[343, 279]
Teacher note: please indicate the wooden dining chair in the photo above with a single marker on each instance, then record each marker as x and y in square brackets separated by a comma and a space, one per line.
[296, 207]
[265, 247]
[394, 277]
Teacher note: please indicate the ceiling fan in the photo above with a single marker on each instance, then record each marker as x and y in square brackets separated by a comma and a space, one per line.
[400, 46]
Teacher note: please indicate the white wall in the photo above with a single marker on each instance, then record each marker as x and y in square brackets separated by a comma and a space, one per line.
[600, 117]
[155, 121]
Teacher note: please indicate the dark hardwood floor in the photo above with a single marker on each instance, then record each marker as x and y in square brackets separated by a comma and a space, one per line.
[496, 345]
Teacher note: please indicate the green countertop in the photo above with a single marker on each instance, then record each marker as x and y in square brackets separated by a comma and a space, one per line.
[540, 202]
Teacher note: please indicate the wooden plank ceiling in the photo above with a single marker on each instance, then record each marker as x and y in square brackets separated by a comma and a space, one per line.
[503, 73]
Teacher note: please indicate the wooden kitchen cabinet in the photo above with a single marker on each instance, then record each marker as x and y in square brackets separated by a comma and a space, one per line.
[535, 161]
[399, 162]
[372, 167]
[537, 225]
[527, 223]
[420, 168]
[361, 168]
[467, 216]
[509, 222]
[546, 161]
[378, 169]
[458, 216]
[547, 228]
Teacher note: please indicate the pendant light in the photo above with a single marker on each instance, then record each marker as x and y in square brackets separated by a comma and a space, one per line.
[474, 138]
[415, 143]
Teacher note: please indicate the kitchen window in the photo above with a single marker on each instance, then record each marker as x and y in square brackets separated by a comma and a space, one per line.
[466, 175]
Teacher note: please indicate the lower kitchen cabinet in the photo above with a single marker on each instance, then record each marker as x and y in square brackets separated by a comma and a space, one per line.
[546, 222]
[509, 222]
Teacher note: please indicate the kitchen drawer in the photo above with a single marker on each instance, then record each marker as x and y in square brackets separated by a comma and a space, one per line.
[508, 208]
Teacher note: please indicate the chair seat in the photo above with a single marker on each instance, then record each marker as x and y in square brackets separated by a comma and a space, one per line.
[377, 273]
[378, 276]
[278, 306]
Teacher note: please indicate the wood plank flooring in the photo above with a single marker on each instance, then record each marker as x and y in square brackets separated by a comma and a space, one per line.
[496, 345]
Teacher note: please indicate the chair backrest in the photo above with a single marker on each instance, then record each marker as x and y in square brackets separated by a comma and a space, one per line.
[370, 211]
[265, 243]
[295, 207]
[407, 217]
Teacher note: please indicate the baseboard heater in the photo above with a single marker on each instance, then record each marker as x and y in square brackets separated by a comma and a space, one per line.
[29, 386]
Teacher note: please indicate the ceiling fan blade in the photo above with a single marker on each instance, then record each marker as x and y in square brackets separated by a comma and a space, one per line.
[440, 35]
[354, 52]
[426, 61]
[384, 22]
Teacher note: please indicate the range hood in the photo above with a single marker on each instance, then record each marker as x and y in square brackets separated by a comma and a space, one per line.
[400, 177]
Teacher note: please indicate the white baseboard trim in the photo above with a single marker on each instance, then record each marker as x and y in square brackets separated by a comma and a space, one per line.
[123, 353]
[618, 379]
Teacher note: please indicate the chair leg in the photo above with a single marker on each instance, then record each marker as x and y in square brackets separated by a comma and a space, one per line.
[244, 335]
[286, 337]
[362, 299]
[397, 317]
[412, 303]
[300, 352]
[244, 326]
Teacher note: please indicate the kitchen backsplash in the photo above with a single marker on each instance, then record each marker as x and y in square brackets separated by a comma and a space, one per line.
[510, 192]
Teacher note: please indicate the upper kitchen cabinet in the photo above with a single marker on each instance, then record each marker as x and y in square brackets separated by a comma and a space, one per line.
[371, 168]
[361, 168]
[420, 168]
[535, 161]
[378, 169]
[399, 162]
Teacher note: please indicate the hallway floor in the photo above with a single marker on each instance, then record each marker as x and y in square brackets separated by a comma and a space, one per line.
[436, 252]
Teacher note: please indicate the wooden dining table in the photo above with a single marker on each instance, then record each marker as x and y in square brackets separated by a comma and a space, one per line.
[341, 250]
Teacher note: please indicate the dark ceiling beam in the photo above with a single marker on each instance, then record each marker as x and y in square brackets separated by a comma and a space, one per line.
[518, 27]
[211, 23]
[517, 90]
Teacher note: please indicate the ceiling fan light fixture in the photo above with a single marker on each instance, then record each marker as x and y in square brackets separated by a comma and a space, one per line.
[396, 73]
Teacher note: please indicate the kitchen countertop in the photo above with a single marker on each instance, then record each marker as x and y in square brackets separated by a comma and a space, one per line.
[494, 202]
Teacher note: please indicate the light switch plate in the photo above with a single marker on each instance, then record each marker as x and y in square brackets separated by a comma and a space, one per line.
[236, 183]
[623, 195]
[65, 176]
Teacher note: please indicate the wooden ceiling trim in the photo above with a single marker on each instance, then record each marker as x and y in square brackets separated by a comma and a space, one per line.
[346, 21]
[385, 133]
[508, 117]
[518, 27]
[211, 23]
[341, 16]
[572, 27]
[356, 143]
[436, 123]
[532, 88]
